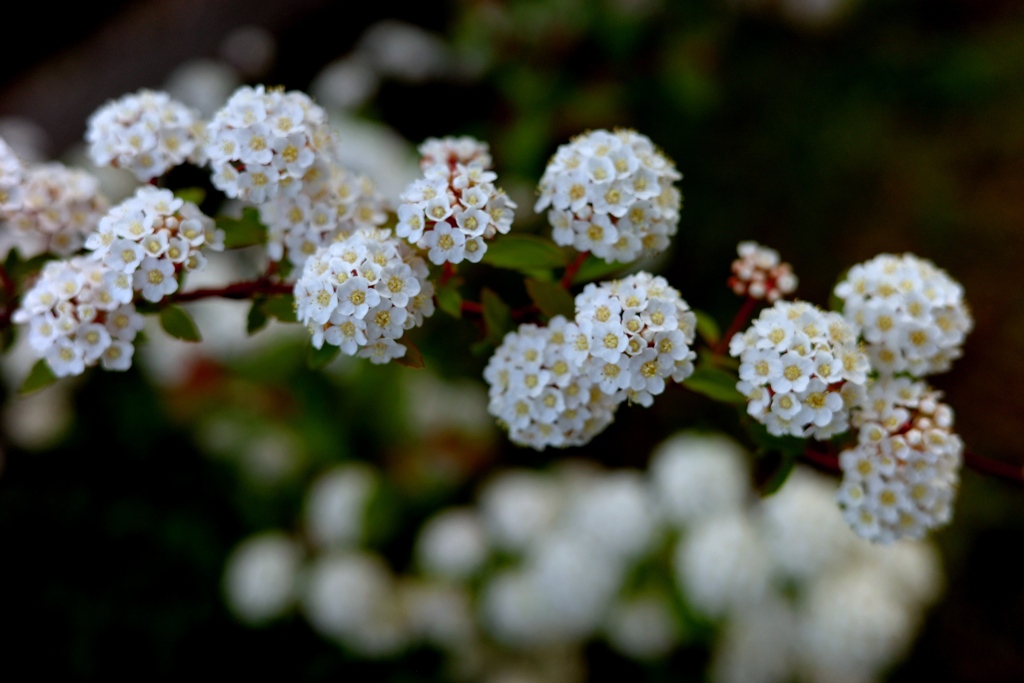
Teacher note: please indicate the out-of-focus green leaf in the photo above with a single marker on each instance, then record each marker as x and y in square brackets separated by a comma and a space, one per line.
[413, 357]
[523, 252]
[595, 268]
[281, 307]
[317, 359]
[257, 318]
[177, 322]
[716, 384]
[707, 328]
[39, 377]
[774, 469]
[243, 232]
[196, 195]
[449, 300]
[550, 298]
[497, 316]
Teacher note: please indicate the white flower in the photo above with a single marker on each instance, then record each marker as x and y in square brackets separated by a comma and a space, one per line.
[146, 133]
[799, 369]
[260, 578]
[912, 314]
[760, 274]
[612, 194]
[455, 199]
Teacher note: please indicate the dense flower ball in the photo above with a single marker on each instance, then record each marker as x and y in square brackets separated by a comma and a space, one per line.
[560, 385]
[80, 313]
[153, 236]
[760, 274]
[800, 369]
[611, 194]
[538, 391]
[637, 332]
[361, 294]
[300, 224]
[53, 210]
[265, 142]
[901, 478]
[912, 314]
[146, 133]
[454, 207]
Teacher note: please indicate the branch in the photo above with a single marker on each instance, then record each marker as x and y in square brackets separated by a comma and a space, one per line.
[572, 269]
[742, 316]
[239, 290]
[995, 468]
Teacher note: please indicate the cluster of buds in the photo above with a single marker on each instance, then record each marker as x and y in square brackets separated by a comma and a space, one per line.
[759, 273]
[454, 207]
[612, 194]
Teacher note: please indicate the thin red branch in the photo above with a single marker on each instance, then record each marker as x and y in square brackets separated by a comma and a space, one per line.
[742, 316]
[473, 307]
[239, 290]
[572, 269]
[826, 461]
[447, 273]
[995, 468]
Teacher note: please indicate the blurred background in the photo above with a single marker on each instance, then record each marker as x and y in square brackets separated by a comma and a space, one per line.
[831, 130]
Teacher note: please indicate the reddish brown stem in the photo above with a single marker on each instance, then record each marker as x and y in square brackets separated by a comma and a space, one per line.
[473, 307]
[742, 316]
[447, 273]
[239, 290]
[827, 461]
[995, 468]
[572, 269]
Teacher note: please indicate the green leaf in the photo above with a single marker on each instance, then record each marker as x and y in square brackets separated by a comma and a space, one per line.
[769, 443]
[497, 316]
[257, 318]
[281, 307]
[243, 232]
[707, 328]
[449, 300]
[595, 268]
[39, 377]
[413, 357]
[716, 384]
[196, 195]
[317, 359]
[551, 299]
[177, 322]
[772, 470]
[524, 252]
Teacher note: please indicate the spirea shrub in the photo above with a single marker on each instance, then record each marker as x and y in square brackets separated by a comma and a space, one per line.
[361, 275]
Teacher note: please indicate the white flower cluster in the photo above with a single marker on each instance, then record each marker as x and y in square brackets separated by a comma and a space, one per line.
[800, 369]
[760, 274]
[912, 314]
[52, 210]
[300, 224]
[537, 389]
[80, 313]
[799, 598]
[611, 194]
[901, 478]
[546, 561]
[361, 294]
[560, 385]
[11, 174]
[454, 207]
[147, 133]
[265, 142]
[153, 236]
